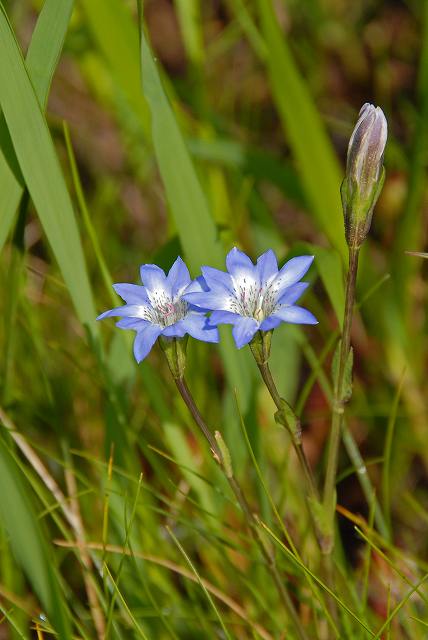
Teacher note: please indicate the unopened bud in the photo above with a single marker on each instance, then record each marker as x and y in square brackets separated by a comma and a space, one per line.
[364, 173]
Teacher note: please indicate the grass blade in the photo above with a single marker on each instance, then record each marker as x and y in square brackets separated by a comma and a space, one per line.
[28, 542]
[311, 147]
[42, 172]
[42, 58]
[200, 582]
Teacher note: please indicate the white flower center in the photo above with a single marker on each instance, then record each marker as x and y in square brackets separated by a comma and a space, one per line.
[164, 310]
[252, 299]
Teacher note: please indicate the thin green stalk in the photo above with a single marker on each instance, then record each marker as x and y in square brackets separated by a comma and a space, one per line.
[297, 442]
[284, 529]
[250, 518]
[347, 437]
[200, 582]
[329, 496]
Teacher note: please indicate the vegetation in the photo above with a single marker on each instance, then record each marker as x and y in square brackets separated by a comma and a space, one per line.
[133, 133]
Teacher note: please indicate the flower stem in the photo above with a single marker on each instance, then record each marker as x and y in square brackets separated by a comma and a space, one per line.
[297, 443]
[339, 403]
[250, 517]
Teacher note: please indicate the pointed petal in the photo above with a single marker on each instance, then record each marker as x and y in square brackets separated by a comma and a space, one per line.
[153, 277]
[178, 277]
[244, 331]
[291, 294]
[196, 326]
[295, 315]
[217, 279]
[210, 301]
[267, 266]
[131, 293]
[144, 341]
[223, 317]
[176, 330]
[270, 323]
[127, 310]
[132, 323]
[291, 272]
[196, 286]
[237, 259]
[241, 267]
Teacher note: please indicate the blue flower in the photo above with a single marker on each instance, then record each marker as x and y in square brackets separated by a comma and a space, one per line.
[253, 297]
[158, 308]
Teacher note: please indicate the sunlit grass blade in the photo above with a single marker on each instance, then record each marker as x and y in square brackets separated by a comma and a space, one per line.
[316, 579]
[185, 457]
[46, 44]
[282, 526]
[189, 15]
[392, 564]
[304, 130]
[13, 623]
[42, 172]
[398, 607]
[111, 22]
[28, 542]
[201, 583]
[42, 57]
[181, 571]
[138, 628]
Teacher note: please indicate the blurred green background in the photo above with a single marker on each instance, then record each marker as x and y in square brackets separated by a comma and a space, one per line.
[234, 133]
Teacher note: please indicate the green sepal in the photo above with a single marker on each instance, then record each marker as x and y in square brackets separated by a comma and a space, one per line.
[323, 515]
[288, 419]
[175, 352]
[226, 460]
[358, 210]
[260, 346]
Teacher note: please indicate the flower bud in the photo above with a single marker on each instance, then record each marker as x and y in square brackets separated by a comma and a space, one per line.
[364, 173]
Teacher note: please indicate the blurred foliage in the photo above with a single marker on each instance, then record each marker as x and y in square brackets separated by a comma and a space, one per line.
[234, 133]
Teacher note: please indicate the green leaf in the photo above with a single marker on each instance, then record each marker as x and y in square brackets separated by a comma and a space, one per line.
[28, 542]
[312, 150]
[42, 172]
[42, 58]
[111, 22]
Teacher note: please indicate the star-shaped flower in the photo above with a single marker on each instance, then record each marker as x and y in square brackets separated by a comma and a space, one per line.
[253, 297]
[158, 308]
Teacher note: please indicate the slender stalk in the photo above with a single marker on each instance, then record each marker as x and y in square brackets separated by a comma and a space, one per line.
[297, 443]
[311, 487]
[339, 403]
[250, 517]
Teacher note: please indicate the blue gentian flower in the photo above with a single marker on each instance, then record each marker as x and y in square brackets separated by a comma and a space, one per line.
[158, 308]
[253, 297]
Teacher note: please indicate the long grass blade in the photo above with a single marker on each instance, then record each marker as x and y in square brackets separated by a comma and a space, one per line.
[305, 132]
[41, 169]
[42, 58]
[28, 542]
[200, 582]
